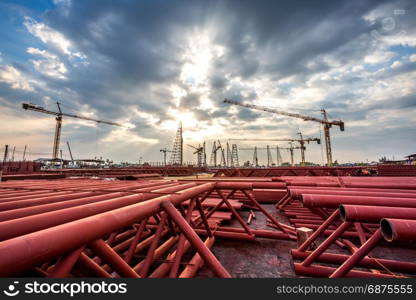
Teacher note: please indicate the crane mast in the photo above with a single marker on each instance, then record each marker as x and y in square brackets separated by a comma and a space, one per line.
[59, 115]
[325, 122]
[301, 141]
[165, 151]
[278, 156]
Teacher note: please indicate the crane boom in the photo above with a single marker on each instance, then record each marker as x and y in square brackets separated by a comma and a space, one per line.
[284, 113]
[59, 115]
[325, 122]
[29, 106]
[280, 140]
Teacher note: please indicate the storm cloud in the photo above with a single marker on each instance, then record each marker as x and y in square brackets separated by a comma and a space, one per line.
[151, 64]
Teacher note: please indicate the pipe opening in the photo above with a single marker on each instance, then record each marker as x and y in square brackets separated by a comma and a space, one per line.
[387, 230]
[342, 213]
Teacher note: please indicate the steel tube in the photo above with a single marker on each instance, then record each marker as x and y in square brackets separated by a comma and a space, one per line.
[333, 217]
[334, 201]
[398, 230]
[364, 213]
[366, 262]
[354, 259]
[195, 241]
[29, 250]
[16, 227]
[196, 262]
[111, 257]
[325, 244]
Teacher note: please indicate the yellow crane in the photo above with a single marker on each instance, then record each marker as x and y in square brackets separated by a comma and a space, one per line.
[59, 115]
[324, 121]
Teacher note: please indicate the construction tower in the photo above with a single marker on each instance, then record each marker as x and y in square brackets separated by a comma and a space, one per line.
[269, 157]
[204, 155]
[213, 160]
[234, 156]
[279, 160]
[255, 158]
[229, 163]
[176, 157]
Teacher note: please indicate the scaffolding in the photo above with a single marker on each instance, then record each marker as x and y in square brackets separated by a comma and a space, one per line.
[176, 157]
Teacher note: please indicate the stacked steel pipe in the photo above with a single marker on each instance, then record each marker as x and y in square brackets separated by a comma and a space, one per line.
[354, 215]
[99, 228]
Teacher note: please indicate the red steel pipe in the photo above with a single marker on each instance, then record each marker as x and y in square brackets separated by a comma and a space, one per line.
[333, 217]
[325, 244]
[323, 271]
[366, 262]
[16, 227]
[111, 257]
[31, 249]
[398, 230]
[357, 256]
[334, 201]
[196, 262]
[296, 193]
[195, 241]
[364, 213]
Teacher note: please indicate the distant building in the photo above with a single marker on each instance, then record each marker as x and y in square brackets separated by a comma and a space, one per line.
[411, 158]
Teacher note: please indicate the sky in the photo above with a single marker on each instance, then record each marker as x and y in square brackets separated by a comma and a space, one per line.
[151, 64]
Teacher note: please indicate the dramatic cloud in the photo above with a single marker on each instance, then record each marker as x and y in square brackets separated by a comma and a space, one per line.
[150, 64]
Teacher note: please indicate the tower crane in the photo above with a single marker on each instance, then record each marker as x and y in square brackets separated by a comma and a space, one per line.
[324, 121]
[201, 156]
[59, 115]
[70, 152]
[255, 157]
[216, 146]
[301, 142]
[290, 149]
[279, 158]
[165, 151]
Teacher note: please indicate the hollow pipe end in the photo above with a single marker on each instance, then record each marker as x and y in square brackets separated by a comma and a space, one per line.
[387, 230]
